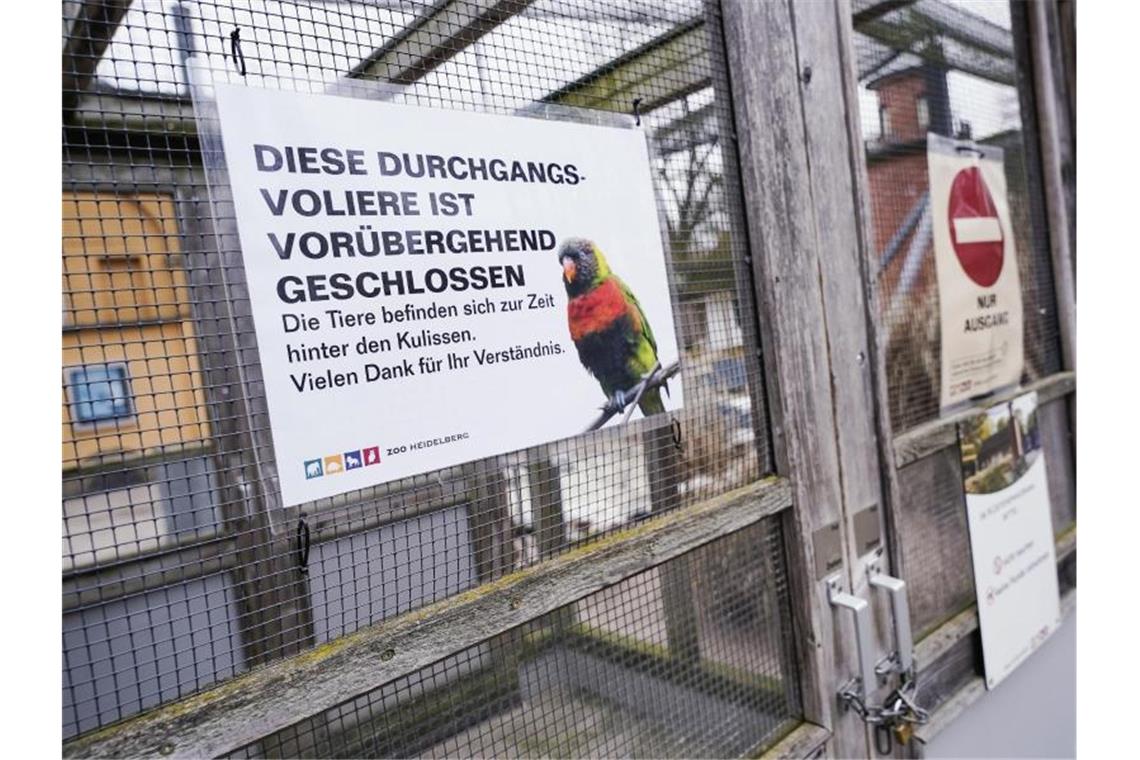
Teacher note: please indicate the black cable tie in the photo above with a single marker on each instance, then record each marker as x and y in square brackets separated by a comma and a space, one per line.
[303, 544]
[235, 50]
[676, 425]
[637, 111]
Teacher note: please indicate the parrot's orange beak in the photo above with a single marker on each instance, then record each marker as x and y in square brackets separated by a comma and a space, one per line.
[568, 270]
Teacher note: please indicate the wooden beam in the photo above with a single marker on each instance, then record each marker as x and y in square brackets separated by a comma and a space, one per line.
[931, 437]
[90, 34]
[1059, 166]
[435, 38]
[679, 57]
[789, 90]
[274, 697]
[835, 150]
[968, 43]
[869, 10]
[916, 20]
[805, 740]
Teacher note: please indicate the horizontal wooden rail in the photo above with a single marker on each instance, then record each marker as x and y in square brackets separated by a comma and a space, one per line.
[269, 699]
[931, 437]
[805, 740]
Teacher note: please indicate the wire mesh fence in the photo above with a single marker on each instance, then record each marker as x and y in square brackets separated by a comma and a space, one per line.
[618, 674]
[959, 70]
[178, 570]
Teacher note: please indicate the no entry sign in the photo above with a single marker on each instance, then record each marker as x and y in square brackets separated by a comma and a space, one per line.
[975, 230]
[979, 290]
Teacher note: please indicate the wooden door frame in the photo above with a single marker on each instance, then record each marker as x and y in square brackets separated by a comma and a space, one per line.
[796, 116]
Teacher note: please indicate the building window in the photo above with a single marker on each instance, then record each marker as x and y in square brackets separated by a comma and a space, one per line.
[99, 392]
[922, 110]
[884, 122]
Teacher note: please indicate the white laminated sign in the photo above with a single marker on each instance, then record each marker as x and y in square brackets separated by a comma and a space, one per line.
[1011, 533]
[431, 287]
[979, 289]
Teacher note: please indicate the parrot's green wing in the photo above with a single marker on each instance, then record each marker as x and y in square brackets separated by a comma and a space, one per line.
[646, 330]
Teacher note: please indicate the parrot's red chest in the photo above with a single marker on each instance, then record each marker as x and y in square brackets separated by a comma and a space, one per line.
[598, 309]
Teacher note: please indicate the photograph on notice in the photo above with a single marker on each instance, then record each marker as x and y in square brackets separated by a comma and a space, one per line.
[998, 446]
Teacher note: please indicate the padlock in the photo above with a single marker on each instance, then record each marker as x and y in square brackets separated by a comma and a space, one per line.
[904, 732]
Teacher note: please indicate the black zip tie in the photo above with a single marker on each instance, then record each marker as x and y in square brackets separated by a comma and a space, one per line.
[235, 50]
[676, 425]
[303, 545]
[637, 111]
[970, 149]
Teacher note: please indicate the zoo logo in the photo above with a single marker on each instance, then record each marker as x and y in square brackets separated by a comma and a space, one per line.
[334, 464]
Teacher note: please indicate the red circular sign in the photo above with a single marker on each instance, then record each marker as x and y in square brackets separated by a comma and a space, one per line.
[975, 230]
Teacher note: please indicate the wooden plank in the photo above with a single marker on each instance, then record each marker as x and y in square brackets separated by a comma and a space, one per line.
[805, 740]
[951, 709]
[1059, 168]
[435, 38]
[933, 436]
[760, 48]
[678, 57]
[933, 647]
[195, 558]
[95, 24]
[831, 108]
[961, 40]
[787, 75]
[273, 602]
[271, 698]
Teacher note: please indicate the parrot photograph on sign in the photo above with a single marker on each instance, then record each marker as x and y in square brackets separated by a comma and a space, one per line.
[433, 287]
[611, 332]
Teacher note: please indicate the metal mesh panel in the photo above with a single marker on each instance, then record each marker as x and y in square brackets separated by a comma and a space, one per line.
[957, 69]
[631, 671]
[177, 573]
[935, 540]
[933, 535]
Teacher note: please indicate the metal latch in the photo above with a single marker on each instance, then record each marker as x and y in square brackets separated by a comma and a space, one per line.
[899, 713]
[902, 659]
[859, 687]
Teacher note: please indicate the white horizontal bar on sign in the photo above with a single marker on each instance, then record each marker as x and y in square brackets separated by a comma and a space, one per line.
[977, 229]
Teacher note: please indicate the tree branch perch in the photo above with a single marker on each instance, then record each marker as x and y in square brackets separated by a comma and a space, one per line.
[655, 379]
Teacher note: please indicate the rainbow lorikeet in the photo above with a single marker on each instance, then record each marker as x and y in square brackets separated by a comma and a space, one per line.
[608, 327]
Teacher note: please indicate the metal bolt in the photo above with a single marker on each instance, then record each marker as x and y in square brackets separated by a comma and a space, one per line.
[861, 358]
[516, 602]
[387, 654]
[806, 75]
[166, 749]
